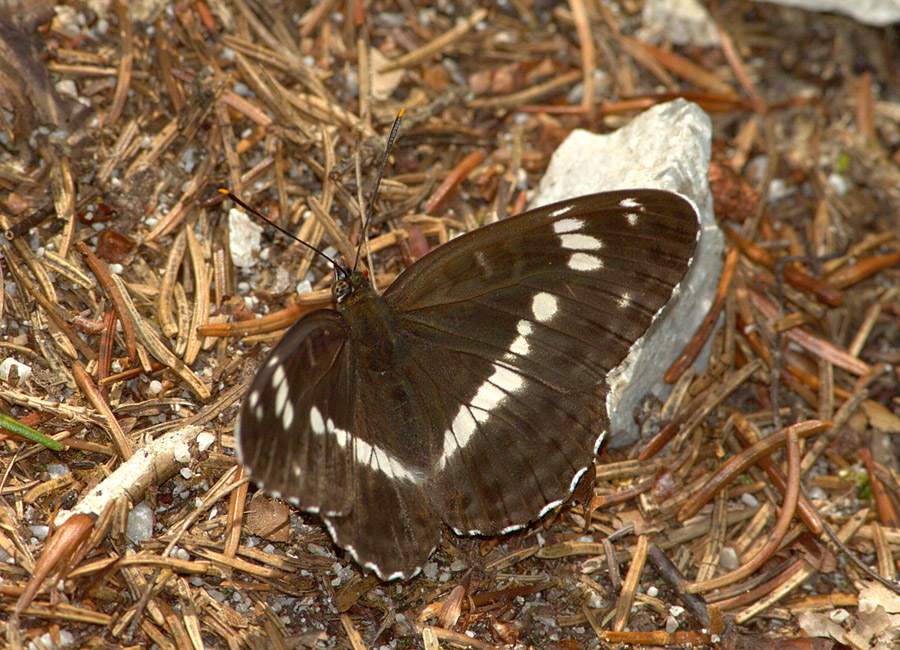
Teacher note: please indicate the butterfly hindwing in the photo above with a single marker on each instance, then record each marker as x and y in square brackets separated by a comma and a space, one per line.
[497, 456]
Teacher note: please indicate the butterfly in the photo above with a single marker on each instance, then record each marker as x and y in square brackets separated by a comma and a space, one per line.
[472, 392]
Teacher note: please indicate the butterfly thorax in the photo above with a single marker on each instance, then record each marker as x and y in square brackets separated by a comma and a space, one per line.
[370, 318]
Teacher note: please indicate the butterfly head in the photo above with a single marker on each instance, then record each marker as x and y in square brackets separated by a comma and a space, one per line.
[348, 285]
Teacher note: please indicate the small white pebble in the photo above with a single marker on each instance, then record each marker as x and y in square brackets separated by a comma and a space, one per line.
[839, 184]
[317, 549]
[140, 523]
[839, 615]
[728, 559]
[67, 87]
[47, 640]
[40, 531]
[24, 372]
[55, 470]
[245, 239]
[205, 440]
[155, 387]
[182, 454]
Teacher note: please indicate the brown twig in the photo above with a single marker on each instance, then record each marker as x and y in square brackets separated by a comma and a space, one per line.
[695, 345]
[742, 461]
[781, 527]
[115, 295]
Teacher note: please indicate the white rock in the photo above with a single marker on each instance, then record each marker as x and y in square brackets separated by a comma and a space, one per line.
[205, 440]
[182, 452]
[55, 470]
[22, 370]
[869, 12]
[682, 22]
[245, 239]
[67, 87]
[666, 147]
[40, 531]
[728, 559]
[46, 641]
[140, 523]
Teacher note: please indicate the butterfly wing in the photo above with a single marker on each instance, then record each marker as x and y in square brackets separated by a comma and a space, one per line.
[290, 432]
[393, 529]
[311, 430]
[514, 329]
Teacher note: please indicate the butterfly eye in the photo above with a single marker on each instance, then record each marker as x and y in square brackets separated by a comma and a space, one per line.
[341, 290]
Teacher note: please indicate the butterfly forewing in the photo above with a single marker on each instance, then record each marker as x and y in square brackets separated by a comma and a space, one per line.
[473, 392]
[528, 316]
[292, 427]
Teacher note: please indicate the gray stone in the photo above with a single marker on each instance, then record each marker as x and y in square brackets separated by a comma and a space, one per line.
[666, 147]
[869, 12]
[682, 22]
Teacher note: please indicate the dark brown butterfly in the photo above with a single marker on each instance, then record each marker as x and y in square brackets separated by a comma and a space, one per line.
[473, 391]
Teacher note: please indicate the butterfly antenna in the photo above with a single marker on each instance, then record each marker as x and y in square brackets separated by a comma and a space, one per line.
[371, 207]
[256, 213]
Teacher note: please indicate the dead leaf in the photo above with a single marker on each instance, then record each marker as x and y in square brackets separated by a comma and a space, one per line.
[383, 83]
[819, 625]
[268, 518]
[873, 595]
[880, 417]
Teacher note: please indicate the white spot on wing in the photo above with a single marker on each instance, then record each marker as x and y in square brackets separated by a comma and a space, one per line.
[560, 211]
[503, 381]
[316, 423]
[585, 262]
[287, 417]
[568, 225]
[631, 203]
[632, 219]
[520, 346]
[373, 457]
[624, 300]
[481, 259]
[544, 305]
[579, 242]
[278, 376]
[342, 437]
[281, 397]
[464, 426]
[253, 398]
[488, 397]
